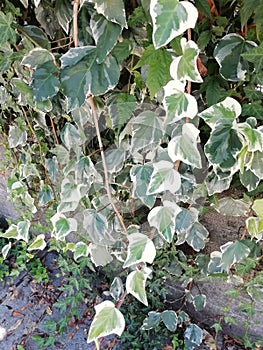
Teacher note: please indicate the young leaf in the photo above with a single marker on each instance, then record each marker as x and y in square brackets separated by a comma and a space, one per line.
[233, 252]
[135, 285]
[171, 18]
[16, 136]
[228, 54]
[116, 288]
[164, 178]
[177, 103]
[163, 218]
[105, 34]
[184, 147]
[108, 320]
[121, 108]
[6, 30]
[5, 250]
[170, 319]
[185, 67]
[39, 243]
[81, 249]
[158, 63]
[62, 226]
[140, 249]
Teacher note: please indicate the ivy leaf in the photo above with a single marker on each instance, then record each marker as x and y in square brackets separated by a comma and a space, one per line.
[81, 249]
[229, 109]
[171, 18]
[5, 250]
[258, 207]
[158, 63]
[45, 195]
[122, 50]
[184, 147]
[253, 109]
[62, 226]
[163, 218]
[39, 243]
[70, 136]
[247, 9]
[223, 146]
[108, 320]
[255, 55]
[116, 288]
[63, 11]
[6, 30]
[100, 255]
[228, 53]
[196, 236]
[45, 81]
[254, 137]
[193, 336]
[177, 103]
[233, 252]
[140, 249]
[135, 285]
[151, 321]
[204, 8]
[170, 320]
[36, 57]
[105, 34]
[95, 224]
[185, 67]
[147, 130]
[164, 178]
[255, 227]
[249, 179]
[38, 35]
[16, 137]
[114, 11]
[140, 176]
[115, 159]
[121, 107]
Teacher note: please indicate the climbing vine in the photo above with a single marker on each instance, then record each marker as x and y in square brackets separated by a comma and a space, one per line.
[115, 108]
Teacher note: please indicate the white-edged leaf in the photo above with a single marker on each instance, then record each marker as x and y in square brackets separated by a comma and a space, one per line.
[39, 243]
[100, 255]
[140, 249]
[164, 178]
[5, 250]
[233, 252]
[116, 288]
[184, 147]
[81, 249]
[114, 11]
[163, 218]
[177, 103]
[193, 336]
[232, 207]
[170, 319]
[135, 285]
[151, 321]
[115, 159]
[196, 236]
[36, 57]
[95, 224]
[108, 320]
[185, 67]
[171, 18]
[62, 226]
[16, 136]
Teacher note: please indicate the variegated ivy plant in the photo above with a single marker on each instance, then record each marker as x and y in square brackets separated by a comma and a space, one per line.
[64, 83]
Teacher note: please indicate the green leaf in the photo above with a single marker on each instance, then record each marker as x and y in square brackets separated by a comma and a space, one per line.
[62, 226]
[121, 107]
[253, 109]
[253, 137]
[255, 227]
[193, 336]
[164, 178]
[38, 35]
[122, 50]
[114, 11]
[247, 9]
[158, 63]
[163, 218]
[199, 302]
[258, 207]
[204, 8]
[177, 103]
[184, 147]
[228, 54]
[45, 195]
[45, 81]
[170, 320]
[255, 55]
[63, 11]
[140, 249]
[95, 224]
[39, 243]
[105, 34]
[185, 67]
[16, 137]
[6, 30]
[19, 231]
[135, 285]
[171, 18]
[212, 91]
[151, 321]
[249, 179]
[81, 249]
[233, 252]
[147, 131]
[140, 176]
[223, 146]
[108, 320]
[115, 159]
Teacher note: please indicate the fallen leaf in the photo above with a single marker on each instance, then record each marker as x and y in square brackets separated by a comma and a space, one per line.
[16, 313]
[15, 325]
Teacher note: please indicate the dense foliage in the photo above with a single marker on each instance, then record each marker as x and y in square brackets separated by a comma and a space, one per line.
[121, 119]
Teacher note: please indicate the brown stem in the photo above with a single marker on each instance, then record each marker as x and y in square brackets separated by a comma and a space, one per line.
[54, 130]
[105, 168]
[75, 23]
